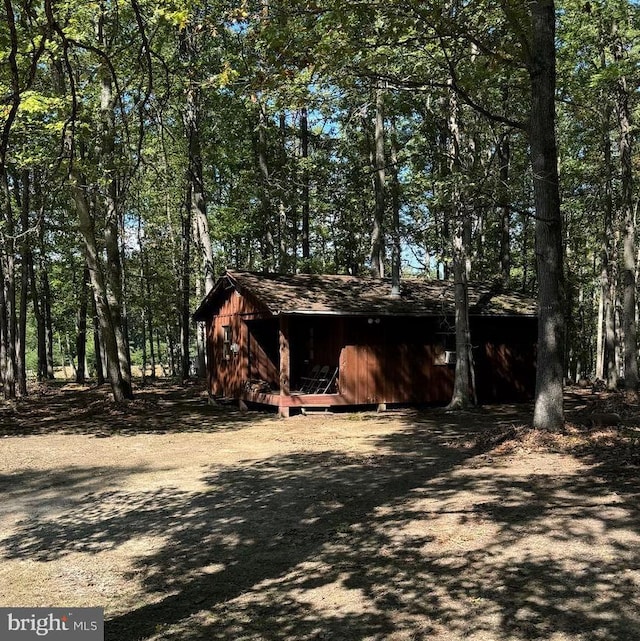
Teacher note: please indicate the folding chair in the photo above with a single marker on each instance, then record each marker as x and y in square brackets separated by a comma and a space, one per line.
[321, 381]
[309, 382]
[330, 381]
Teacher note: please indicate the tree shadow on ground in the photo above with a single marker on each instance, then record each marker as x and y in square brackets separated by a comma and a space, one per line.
[162, 407]
[425, 537]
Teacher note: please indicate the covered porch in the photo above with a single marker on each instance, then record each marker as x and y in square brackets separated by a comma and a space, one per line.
[355, 360]
[286, 377]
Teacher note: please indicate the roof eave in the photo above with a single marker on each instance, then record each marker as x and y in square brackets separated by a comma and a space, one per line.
[373, 312]
[202, 312]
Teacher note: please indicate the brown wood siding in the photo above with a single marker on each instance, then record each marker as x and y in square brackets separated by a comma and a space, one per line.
[228, 375]
[229, 371]
[392, 360]
[393, 374]
[380, 360]
[210, 353]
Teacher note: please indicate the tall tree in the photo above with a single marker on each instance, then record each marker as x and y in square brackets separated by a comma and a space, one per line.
[112, 209]
[462, 395]
[629, 249]
[8, 323]
[191, 46]
[541, 64]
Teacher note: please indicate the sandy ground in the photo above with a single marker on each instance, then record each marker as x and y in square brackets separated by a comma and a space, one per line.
[188, 522]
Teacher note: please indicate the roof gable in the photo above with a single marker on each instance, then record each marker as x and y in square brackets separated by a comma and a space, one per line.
[352, 296]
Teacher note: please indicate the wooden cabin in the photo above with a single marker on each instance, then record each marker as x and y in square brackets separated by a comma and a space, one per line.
[296, 341]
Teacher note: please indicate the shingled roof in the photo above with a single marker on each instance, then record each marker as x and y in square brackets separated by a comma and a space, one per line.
[352, 296]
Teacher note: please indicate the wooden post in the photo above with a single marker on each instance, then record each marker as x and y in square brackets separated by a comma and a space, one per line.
[285, 366]
[212, 361]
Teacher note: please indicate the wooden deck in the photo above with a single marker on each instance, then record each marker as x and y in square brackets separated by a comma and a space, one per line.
[295, 400]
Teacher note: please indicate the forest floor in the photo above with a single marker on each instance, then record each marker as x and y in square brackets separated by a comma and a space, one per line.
[186, 521]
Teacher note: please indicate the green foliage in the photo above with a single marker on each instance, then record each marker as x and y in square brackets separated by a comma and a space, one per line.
[255, 67]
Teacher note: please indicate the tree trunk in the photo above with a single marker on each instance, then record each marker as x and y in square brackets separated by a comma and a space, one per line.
[442, 212]
[171, 352]
[628, 271]
[97, 343]
[396, 253]
[549, 404]
[462, 392]
[74, 369]
[147, 281]
[200, 337]
[24, 285]
[264, 179]
[304, 152]
[81, 328]
[38, 297]
[285, 265]
[195, 178]
[144, 302]
[143, 329]
[504, 159]
[152, 352]
[41, 373]
[377, 233]
[599, 371]
[462, 395]
[198, 214]
[4, 330]
[611, 368]
[63, 362]
[159, 353]
[608, 271]
[185, 315]
[9, 320]
[113, 266]
[121, 390]
[48, 323]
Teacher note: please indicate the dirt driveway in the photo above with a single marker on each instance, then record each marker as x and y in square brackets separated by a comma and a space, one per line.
[190, 522]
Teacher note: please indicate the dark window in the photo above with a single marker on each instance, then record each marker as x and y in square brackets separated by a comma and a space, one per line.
[226, 342]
